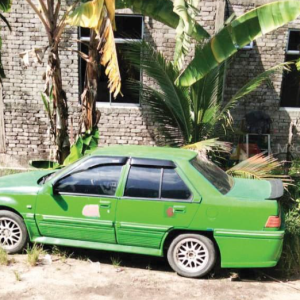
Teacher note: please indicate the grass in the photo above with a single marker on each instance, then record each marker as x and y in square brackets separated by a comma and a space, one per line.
[5, 172]
[33, 254]
[4, 260]
[17, 276]
[62, 254]
[116, 262]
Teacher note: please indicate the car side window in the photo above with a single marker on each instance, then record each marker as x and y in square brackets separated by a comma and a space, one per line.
[101, 180]
[155, 183]
[143, 182]
[173, 186]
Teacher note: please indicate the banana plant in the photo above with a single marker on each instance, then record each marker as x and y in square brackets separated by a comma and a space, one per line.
[237, 34]
[162, 11]
[84, 16]
[4, 7]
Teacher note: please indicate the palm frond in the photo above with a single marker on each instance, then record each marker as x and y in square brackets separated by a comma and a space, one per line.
[163, 73]
[5, 5]
[5, 21]
[260, 167]
[167, 129]
[207, 96]
[209, 145]
[250, 86]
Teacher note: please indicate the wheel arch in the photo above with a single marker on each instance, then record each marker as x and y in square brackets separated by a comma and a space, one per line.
[7, 208]
[176, 232]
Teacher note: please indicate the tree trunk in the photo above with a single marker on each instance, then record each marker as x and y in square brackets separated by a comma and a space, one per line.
[60, 107]
[90, 115]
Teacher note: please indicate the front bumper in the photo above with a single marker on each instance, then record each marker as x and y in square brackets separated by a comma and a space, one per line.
[249, 249]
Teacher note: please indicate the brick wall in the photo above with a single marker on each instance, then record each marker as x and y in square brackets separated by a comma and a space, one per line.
[25, 121]
[26, 124]
[268, 51]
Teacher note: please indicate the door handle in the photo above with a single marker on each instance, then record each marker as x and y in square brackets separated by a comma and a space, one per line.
[105, 204]
[179, 209]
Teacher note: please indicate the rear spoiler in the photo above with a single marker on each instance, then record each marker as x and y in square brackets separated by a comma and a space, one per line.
[277, 189]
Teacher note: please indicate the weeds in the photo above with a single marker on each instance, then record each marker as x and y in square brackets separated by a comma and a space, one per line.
[116, 262]
[62, 254]
[17, 276]
[4, 260]
[33, 254]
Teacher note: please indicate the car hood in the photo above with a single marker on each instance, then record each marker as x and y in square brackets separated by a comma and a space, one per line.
[256, 189]
[22, 183]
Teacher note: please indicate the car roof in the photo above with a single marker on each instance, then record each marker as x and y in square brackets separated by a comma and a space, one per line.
[165, 153]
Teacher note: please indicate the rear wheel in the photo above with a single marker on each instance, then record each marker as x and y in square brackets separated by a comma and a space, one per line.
[13, 232]
[191, 255]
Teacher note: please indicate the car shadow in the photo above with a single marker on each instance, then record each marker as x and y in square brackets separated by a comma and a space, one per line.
[145, 262]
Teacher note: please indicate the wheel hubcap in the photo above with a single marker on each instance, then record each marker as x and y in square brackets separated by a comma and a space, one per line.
[10, 233]
[191, 255]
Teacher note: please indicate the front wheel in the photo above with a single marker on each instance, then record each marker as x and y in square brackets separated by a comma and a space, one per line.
[13, 233]
[191, 255]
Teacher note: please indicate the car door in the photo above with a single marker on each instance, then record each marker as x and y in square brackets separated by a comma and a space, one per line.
[84, 204]
[156, 199]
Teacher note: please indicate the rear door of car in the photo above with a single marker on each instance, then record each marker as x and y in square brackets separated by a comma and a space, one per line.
[157, 197]
[84, 204]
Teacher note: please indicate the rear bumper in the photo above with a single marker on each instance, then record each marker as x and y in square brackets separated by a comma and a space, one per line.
[249, 249]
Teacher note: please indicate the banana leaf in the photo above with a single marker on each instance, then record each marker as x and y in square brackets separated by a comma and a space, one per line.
[87, 15]
[238, 34]
[162, 11]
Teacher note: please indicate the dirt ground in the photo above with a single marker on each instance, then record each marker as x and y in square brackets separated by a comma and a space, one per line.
[101, 275]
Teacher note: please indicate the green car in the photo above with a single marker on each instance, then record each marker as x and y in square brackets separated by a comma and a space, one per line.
[146, 200]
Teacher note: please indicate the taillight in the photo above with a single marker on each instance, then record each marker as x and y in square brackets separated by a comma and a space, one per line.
[273, 222]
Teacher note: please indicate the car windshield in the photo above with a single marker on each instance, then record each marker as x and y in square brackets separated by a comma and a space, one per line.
[214, 175]
[63, 170]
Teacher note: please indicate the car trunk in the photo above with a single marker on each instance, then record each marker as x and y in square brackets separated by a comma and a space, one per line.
[256, 189]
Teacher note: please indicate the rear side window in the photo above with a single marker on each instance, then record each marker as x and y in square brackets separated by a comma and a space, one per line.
[155, 183]
[96, 181]
[173, 187]
[216, 176]
[143, 182]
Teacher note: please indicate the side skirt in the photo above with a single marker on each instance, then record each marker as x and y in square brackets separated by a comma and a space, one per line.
[97, 246]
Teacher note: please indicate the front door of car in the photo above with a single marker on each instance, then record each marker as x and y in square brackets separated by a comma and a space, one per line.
[156, 199]
[82, 207]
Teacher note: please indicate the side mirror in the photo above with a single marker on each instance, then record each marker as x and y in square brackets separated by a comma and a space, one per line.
[50, 189]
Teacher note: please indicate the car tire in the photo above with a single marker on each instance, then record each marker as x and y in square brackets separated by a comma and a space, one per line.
[191, 255]
[13, 232]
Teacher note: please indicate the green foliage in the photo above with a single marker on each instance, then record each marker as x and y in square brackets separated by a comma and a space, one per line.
[4, 7]
[33, 254]
[187, 11]
[237, 34]
[4, 261]
[183, 115]
[162, 11]
[84, 144]
[289, 263]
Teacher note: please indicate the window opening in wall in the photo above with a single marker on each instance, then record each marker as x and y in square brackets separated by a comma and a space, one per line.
[290, 91]
[129, 28]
